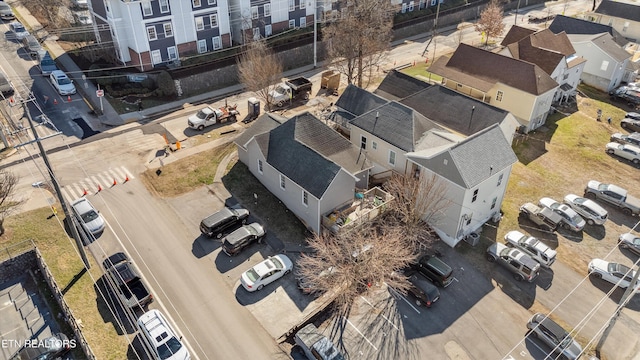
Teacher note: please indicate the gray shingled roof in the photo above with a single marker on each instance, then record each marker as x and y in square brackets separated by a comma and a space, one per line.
[471, 161]
[396, 124]
[573, 26]
[619, 9]
[605, 42]
[264, 123]
[358, 101]
[453, 110]
[396, 86]
[311, 154]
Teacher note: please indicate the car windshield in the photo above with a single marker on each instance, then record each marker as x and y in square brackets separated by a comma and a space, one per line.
[89, 216]
[63, 80]
[201, 115]
[277, 263]
[576, 219]
[566, 342]
[252, 275]
[169, 348]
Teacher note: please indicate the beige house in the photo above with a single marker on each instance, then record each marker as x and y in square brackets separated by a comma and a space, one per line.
[624, 17]
[553, 53]
[520, 87]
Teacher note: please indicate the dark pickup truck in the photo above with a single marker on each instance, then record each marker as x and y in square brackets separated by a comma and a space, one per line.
[291, 89]
[128, 283]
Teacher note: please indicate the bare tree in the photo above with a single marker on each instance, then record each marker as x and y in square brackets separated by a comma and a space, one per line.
[49, 11]
[358, 40]
[260, 70]
[490, 23]
[8, 204]
[351, 264]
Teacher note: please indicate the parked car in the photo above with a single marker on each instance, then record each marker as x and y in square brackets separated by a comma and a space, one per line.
[31, 45]
[62, 83]
[613, 194]
[544, 217]
[625, 151]
[126, 280]
[570, 219]
[630, 124]
[46, 63]
[89, 216]
[266, 272]
[620, 138]
[520, 264]
[53, 347]
[307, 286]
[160, 338]
[216, 223]
[5, 11]
[614, 273]
[630, 241]
[435, 269]
[315, 345]
[593, 213]
[531, 246]
[18, 31]
[548, 331]
[242, 237]
[5, 85]
[632, 115]
[423, 290]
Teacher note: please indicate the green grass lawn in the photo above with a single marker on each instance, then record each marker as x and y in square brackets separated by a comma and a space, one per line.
[60, 255]
[420, 71]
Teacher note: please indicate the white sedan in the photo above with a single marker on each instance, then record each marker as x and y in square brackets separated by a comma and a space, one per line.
[626, 151]
[570, 218]
[266, 272]
[62, 83]
[614, 273]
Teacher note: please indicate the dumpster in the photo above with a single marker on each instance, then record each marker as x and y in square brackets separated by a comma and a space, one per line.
[254, 108]
[330, 81]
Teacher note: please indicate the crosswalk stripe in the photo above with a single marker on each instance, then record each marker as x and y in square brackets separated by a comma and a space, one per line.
[96, 182]
[105, 179]
[65, 194]
[73, 191]
[118, 174]
[128, 173]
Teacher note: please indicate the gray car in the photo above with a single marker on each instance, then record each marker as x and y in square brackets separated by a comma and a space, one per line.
[5, 11]
[520, 264]
[593, 213]
[552, 334]
[630, 241]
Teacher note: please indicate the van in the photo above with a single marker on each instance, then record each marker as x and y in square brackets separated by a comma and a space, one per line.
[160, 338]
[46, 63]
[31, 45]
[435, 269]
[216, 223]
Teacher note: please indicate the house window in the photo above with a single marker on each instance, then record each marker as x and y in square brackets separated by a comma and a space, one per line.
[260, 166]
[303, 22]
[164, 6]
[392, 158]
[256, 33]
[363, 142]
[172, 52]
[500, 179]
[374, 145]
[469, 219]
[499, 95]
[475, 195]
[202, 46]
[199, 23]
[211, 2]
[305, 198]
[217, 44]
[302, 4]
[267, 30]
[604, 66]
[433, 2]
[410, 5]
[493, 202]
[267, 9]
[292, 5]
[156, 58]
[151, 33]
[168, 30]
[404, 8]
[565, 77]
[213, 19]
[282, 184]
[197, 3]
[292, 24]
[422, 4]
[146, 8]
[254, 12]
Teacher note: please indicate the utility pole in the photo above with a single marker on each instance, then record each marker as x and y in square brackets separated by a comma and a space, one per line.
[434, 33]
[516, 17]
[68, 220]
[315, 33]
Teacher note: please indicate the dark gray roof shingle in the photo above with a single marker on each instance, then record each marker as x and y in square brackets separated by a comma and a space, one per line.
[264, 123]
[573, 26]
[619, 9]
[396, 86]
[515, 34]
[358, 101]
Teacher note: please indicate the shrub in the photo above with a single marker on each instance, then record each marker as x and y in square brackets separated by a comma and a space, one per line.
[148, 83]
[165, 84]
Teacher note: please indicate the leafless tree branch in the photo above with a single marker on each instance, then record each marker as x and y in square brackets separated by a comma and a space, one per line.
[260, 70]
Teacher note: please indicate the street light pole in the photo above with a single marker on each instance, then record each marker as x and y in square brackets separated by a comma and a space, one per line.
[315, 33]
[516, 17]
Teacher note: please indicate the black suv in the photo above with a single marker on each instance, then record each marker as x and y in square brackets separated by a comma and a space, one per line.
[242, 237]
[423, 290]
[435, 269]
[215, 224]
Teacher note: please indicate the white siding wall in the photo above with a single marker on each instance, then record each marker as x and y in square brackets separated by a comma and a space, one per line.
[380, 155]
[596, 72]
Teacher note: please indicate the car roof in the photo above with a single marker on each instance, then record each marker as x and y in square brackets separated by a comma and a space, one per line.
[551, 325]
[525, 259]
[82, 205]
[264, 267]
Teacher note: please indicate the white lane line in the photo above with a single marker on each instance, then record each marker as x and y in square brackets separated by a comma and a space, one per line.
[405, 299]
[364, 337]
[384, 317]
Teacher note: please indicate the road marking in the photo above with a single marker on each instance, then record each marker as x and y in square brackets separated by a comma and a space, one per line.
[364, 337]
[392, 324]
[405, 300]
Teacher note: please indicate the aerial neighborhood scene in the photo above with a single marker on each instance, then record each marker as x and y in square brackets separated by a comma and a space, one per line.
[320, 179]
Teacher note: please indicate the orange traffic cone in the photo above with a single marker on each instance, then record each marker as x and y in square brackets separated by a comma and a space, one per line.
[99, 188]
[84, 193]
[126, 178]
[55, 101]
[69, 98]
[114, 182]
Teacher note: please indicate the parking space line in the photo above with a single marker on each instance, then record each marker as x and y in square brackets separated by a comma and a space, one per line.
[405, 300]
[384, 317]
[361, 334]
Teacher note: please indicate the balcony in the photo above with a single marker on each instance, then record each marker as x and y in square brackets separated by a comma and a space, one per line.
[364, 207]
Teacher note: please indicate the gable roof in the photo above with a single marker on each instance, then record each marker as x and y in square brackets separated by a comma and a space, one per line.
[396, 86]
[310, 153]
[471, 161]
[546, 39]
[358, 101]
[619, 9]
[488, 68]
[455, 111]
[573, 26]
[605, 42]
[515, 34]
[396, 124]
[543, 48]
[264, 123]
